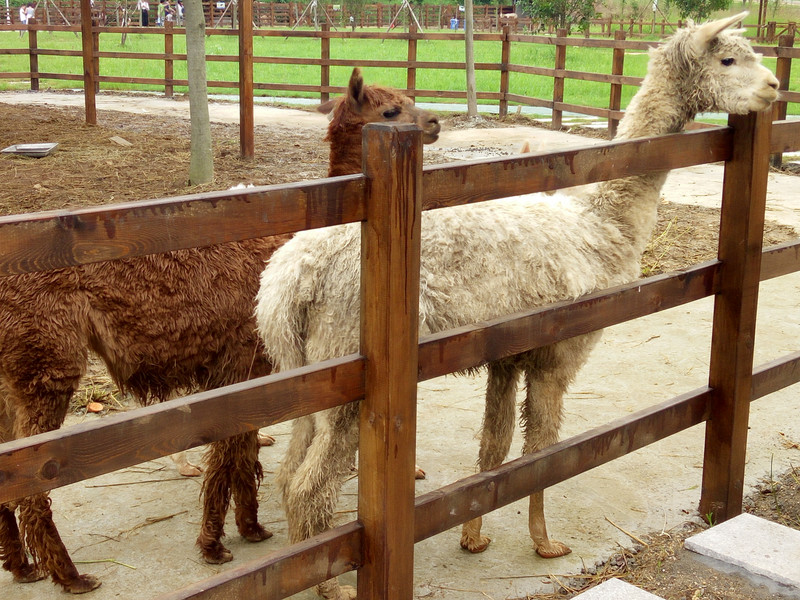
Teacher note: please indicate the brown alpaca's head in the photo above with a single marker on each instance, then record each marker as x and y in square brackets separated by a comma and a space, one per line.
[368, 104]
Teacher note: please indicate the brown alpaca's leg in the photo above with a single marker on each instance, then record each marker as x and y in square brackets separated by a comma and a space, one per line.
[44, 410]
[247, 474]
[47, 548]
[496, 435]
[12, 550]
[313, 491]
[541, 418]
[216, 499]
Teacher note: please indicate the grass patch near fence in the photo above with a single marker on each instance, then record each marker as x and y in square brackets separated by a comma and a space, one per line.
[595, 60]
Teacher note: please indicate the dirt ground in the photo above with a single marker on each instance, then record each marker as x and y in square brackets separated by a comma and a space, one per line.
[91, 169]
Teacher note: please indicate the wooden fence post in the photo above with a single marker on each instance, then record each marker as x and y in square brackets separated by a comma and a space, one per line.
[390, 250]
[33, 55]
[505, 58]
[617, 68]
[89, 74]
[558, 79]
[730, 373]
[411, 71]
[325, 57]
[246, 118]
[783, 70]
[169, 60]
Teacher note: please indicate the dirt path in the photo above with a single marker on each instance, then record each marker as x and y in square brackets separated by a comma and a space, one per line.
[136, 528]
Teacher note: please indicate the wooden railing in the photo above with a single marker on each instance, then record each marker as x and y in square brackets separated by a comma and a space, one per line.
[391, 191]
[93, 78]
[440, 16]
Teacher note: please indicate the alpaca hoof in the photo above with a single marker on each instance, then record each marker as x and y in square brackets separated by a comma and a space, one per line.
[190, 470]
[29, 574]
[475, 546]
[215, 553]
[82, 584]
[256, 534]
[552, 549]
[265, 440]
[331, 590]
[419, 473]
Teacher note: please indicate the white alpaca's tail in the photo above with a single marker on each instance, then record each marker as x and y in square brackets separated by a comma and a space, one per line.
[281, 311]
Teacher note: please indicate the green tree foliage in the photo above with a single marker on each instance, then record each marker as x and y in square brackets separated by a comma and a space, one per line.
[559, 13]
[700, 9]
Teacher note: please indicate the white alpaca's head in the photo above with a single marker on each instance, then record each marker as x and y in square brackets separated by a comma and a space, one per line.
[717, 68]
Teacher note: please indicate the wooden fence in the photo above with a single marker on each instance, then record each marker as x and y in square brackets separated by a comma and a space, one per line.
[292, 14]
[392, 190]
[93, 78]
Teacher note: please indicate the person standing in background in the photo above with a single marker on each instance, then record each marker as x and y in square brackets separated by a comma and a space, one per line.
[144, 7]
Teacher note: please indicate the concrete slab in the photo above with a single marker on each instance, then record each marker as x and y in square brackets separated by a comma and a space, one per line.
[616, 589]
[754, 544]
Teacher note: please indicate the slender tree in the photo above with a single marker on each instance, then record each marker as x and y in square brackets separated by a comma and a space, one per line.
[201, 163]
[472, 97]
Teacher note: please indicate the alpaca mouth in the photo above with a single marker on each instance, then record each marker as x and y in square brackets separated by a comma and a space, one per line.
[429, 138]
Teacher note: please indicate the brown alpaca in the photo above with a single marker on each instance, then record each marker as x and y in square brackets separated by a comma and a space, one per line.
[163, 324]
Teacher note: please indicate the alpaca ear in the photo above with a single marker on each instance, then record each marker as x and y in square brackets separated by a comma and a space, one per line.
[356, 87]
[702, 36]
[327, 107]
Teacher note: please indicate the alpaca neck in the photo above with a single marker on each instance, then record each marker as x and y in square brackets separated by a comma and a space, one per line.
[345, 153]
[632, 202]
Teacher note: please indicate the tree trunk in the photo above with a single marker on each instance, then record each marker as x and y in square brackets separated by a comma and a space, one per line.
[472, 99]
[201, 163]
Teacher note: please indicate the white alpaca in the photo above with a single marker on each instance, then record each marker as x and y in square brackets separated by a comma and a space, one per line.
[487, 260]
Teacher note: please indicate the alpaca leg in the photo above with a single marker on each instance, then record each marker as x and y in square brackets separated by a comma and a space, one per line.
[216, 500]
[496, 435]
[313, 490]
[247, 475]
[44, 410]
[186, 468]
[302, 434]
[12, 550]
[49, 552]
[541, 417]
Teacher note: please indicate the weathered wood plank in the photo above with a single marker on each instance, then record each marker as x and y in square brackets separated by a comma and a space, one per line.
[55, 239]
[780, 260]
[49, 460]
[475, 181]
[285, 572]
[390, 260]
[478, 494]
[744, 193]
[478, 344]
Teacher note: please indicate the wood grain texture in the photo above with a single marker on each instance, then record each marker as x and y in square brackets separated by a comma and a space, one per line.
[390, 255]
[744, 193]
[49, 460]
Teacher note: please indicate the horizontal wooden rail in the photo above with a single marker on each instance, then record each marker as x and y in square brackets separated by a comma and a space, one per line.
[780, 260]
[55, 239]
[49, 460]
[474, 345]
[474, 181]
[269, 400]
[285, 572]
[481, 493]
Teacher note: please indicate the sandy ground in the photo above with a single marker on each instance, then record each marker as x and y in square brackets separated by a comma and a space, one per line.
[135, 529]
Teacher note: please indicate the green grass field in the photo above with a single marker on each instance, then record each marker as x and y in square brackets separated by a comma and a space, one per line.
[595, 60]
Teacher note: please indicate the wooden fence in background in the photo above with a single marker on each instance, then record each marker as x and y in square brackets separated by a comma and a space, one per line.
[93, 78]
[222, 13]
[391, 192]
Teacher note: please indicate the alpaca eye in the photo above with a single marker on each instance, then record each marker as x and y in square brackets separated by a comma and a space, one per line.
[727, 61]
[391, 113]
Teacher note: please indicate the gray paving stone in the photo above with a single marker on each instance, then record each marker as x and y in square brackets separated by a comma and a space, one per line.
[616, 589]
[754, 544]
